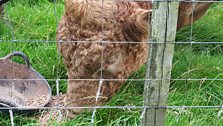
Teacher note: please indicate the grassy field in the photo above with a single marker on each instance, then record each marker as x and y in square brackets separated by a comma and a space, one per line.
[36, 20]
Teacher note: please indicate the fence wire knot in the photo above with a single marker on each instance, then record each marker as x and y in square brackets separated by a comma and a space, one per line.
[220, 112]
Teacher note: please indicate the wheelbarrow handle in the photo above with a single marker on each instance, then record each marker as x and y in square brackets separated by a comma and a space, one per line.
[20, 54]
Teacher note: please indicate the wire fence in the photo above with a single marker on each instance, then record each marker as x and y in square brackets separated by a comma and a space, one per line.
[101, 79]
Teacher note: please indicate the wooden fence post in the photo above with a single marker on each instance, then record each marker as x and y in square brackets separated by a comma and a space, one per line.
[1, 11]
[164, 24]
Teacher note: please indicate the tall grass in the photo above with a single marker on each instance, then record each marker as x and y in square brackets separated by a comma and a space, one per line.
[35, 20]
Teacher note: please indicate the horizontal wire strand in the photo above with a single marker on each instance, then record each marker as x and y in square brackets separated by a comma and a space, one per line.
[110, 107]
[188, 79]
[124, 42]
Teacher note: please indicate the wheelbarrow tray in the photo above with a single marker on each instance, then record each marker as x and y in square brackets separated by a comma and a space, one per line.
[21, 86]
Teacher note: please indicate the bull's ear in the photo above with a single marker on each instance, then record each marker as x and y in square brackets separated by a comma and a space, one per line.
[143, 19]
[136, 26]
[143, 15]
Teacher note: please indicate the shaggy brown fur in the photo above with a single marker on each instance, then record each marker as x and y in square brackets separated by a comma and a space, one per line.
[185, 13]
[121, 22]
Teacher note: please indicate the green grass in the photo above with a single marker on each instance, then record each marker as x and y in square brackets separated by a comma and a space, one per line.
[35, 20]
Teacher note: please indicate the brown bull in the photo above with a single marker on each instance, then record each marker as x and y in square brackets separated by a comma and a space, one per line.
[186, 16]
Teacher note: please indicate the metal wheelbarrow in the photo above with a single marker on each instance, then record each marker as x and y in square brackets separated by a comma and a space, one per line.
[21, 86]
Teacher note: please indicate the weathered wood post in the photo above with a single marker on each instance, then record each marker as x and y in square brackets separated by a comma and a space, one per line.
[1, 11]
[164, 24]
